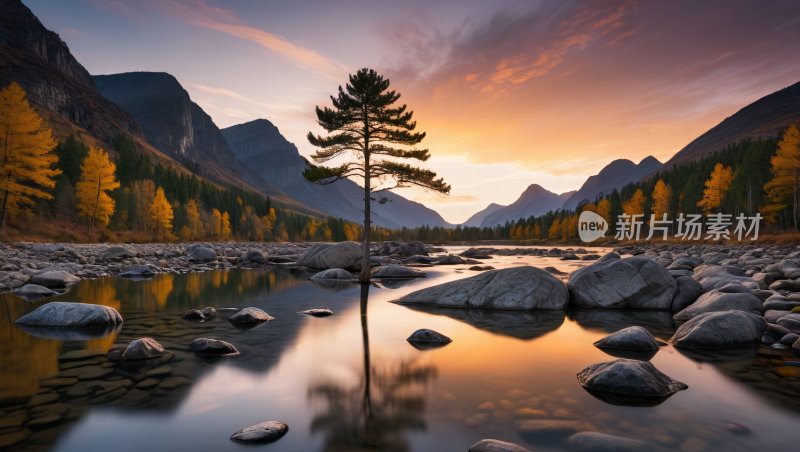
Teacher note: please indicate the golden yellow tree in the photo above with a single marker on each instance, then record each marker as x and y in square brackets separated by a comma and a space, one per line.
[25, 157]
[784, 190]
[604, 209]
[662, 195]
[215, 226]
[161, 213]
[144, 191]
[350, 234]
[716, 187]
[269, 220]
[193, 221]
[589, 208]
[98, 175]
[225, 226]
[537, 232]
[555, 230]
[635, 206]
[528, 232]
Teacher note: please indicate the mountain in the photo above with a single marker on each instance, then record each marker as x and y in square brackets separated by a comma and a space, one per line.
[260, 145]
[475, 220]
[179, 128]
[615, 175]
[535, 200]
[765, 117]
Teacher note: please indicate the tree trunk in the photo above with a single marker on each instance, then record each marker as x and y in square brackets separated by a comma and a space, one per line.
[365, 275]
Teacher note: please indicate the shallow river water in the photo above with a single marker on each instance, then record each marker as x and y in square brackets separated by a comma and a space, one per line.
[351, 382]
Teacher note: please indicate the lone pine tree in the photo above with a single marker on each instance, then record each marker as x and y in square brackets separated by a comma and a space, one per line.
[364, 123]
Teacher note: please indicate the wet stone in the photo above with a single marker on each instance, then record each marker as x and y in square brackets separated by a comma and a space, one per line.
[42, 399]
[44, 421]
[264, 432]
[318, 312]
[147, 384]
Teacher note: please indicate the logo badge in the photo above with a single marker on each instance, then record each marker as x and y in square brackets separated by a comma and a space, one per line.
[591, 226]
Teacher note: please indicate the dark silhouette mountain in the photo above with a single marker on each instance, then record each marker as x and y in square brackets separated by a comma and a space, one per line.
[765, 117]
[615, 175]
[56, 83]
[260, 145]
[535, 200]
[179, 128]
[476, 219]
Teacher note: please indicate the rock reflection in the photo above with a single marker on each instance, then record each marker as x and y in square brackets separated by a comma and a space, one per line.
[524, 325]
[73, 334]
[374, 414]
[658, 323]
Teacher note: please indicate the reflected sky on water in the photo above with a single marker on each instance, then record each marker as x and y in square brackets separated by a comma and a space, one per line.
[351, 382]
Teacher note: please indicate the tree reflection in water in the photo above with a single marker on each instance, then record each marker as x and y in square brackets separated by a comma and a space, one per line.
[374, 414]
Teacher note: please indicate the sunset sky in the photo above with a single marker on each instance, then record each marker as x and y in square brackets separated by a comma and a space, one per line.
[511, 93]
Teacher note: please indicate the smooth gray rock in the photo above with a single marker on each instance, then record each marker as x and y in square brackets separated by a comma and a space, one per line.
[777, 331]
[54, 279]
[790, 268]
[685, 263]
[727, 329]
[205, 346]
[792, 285]
[425, 335]
[209, 312]
[143, 348]
[493, 445]
[513, 289]
[118, 252]
[723, 279]
[334, 273]
[687, 292]
[716, 301]
[193, 314]
[716, 270]
[768, 340]
[71, 315]
[250, 315]
[331, 255]
[789, 339]
[140, 271]
[631, 338]
[629, 377]
[772, 315]
[397, 271]
[253, 255]
[602, 442]
[612, 282]
[791, 322]
[762, 279]
[318, 312]
[265, 432]
[450, 260]
[202, 254]
[779, 303]
[34, 292]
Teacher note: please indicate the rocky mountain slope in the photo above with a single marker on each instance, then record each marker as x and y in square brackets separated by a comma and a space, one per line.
[178, 127]
[615, 175]
[535, 200]
[765, 117]
[477, 218]
[260, 145]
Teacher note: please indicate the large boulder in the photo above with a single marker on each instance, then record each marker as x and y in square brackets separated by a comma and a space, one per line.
[688, 291]
[629, 377]
[450, 260]
[143, 348]
[612, 282]
[252, 256]
[250, 315]
[71, 315]
[54, 279]
[717, 300]
[334, 273]
[790, 268]
[331, 255]
[511, 289]
[118, 252]
[201, 253]
[726, 329]
[139, 271]
[631, 338]
[397, 271]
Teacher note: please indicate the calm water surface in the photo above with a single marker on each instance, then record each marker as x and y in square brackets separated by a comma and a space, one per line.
[350, 382]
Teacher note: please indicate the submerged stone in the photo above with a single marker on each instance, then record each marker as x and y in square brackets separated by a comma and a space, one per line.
[250, 315]
[144, 348]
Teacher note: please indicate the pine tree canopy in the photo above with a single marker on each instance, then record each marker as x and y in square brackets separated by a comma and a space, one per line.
[364, 122]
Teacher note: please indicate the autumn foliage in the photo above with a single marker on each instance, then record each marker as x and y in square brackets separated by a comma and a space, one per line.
[25, 154]
[716, 187]
[97, 178]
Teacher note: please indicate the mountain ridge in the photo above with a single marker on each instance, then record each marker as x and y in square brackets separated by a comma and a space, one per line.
[534, 201]
[615, 175]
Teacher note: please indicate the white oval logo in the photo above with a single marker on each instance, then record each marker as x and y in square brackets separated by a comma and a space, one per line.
[591, 226]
